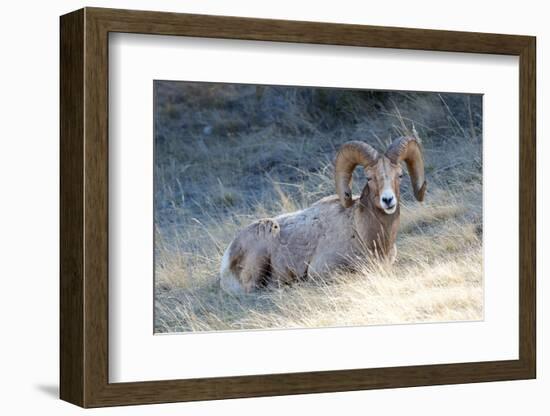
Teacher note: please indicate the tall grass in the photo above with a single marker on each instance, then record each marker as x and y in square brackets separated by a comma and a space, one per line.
[223, 160]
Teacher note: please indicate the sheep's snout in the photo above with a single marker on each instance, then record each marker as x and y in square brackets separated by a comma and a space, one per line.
[388, 201]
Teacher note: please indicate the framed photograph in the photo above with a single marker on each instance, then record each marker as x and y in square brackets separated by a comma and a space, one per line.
[255, 207]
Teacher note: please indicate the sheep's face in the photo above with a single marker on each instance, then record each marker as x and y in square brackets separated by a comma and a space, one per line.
[383, 180]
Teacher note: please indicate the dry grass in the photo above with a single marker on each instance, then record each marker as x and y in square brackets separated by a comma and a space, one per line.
[438, 277]
[199, 207]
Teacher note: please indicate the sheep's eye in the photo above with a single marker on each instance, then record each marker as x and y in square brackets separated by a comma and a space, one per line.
[368, 179]
[400, 175]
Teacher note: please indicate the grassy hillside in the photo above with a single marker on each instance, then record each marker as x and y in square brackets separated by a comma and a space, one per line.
[226, 155]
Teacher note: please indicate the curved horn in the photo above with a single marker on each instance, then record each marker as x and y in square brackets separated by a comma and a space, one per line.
[349, 156]
[408, 149]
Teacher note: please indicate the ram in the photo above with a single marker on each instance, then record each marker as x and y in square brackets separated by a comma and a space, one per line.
[332, 232]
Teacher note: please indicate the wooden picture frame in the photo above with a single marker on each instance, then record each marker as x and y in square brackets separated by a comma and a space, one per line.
[84, 207]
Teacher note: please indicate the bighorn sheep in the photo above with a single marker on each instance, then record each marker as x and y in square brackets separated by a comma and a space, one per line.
[334, 230]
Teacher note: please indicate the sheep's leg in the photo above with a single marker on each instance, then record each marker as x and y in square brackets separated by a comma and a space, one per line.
[284, 275]
[253, 271]
[244, 276]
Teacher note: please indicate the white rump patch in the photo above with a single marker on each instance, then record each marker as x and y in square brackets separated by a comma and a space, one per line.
[228, 281]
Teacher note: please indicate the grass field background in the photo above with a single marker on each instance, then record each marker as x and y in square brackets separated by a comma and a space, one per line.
[228, 154]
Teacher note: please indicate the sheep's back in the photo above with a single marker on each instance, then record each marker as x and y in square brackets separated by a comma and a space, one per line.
[319, 230]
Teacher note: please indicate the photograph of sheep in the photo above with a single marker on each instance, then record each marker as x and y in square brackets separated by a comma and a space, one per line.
[279, 207]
